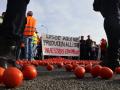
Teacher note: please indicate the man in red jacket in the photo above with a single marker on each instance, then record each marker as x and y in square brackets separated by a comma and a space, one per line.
[10, 30]
[103, 47]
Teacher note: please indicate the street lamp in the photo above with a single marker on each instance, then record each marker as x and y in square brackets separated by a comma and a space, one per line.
[45, 28]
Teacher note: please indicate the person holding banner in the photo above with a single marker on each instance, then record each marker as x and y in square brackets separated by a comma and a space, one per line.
[88, 48]
[82, 48]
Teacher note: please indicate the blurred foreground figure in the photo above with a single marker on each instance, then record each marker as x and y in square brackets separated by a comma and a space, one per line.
[10, 30]
[110, 10]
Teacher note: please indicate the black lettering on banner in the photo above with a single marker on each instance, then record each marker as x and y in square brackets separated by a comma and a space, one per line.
[67, 38]
[76, 39]
[45, 42]
[47, 36]
[60, 43]
[76, 45]
[49, 43]
[53, 37]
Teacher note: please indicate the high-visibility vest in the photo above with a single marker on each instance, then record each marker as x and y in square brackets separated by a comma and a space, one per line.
[35, 38]
[30, 26]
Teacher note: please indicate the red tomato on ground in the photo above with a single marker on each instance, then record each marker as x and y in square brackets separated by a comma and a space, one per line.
[79, 72]
[29, 72]
[12, 77]
[60, 65]
[50, 67]
[75, 65]
[1, 73]
[117, 70]
[106, 73]
[88, 68]
[68, 67]
[96, 70]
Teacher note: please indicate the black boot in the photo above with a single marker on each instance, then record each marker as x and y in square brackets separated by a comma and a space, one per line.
[111, 61]
[7, 53]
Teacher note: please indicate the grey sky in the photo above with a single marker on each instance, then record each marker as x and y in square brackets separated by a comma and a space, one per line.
[66, 17]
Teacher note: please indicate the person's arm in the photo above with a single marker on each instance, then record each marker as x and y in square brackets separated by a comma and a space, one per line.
[97, 5]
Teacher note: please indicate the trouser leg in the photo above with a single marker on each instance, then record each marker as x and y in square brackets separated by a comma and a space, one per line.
[81, 54]
[8, 30]
[30, 49]
[112, 28]
[26, 47]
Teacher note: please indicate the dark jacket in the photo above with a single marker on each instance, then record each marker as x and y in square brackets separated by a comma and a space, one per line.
[108, 8]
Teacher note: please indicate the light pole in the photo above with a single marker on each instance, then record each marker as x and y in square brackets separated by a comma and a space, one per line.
[45, 28]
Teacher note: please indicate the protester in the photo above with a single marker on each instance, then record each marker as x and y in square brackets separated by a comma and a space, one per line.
[20, 49]
[29, 30]
[39, 49]
[10, 30]
[82, 48]
[110, 10]
[93, 51]
[103, 46]
[35, 40]
[89, 48]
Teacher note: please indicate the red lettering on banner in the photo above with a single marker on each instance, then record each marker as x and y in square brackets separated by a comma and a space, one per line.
[61, 51]
[54, 51]
[71, 51]
[46, 50]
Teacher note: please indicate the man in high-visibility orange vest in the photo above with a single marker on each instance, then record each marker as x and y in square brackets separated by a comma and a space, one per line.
[10, 30]
[28, 33]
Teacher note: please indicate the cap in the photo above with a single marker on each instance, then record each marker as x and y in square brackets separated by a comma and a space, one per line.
[30, 13]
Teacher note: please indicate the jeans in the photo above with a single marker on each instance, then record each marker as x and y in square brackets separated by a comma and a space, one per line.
[28, 47]
[34, 50]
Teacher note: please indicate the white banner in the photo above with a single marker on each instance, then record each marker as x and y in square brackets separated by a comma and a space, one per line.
[60, 45]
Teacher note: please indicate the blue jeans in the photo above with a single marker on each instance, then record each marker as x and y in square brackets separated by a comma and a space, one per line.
[28, 47]
[34, 48]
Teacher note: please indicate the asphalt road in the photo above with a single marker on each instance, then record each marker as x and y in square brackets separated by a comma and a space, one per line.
[59, 79]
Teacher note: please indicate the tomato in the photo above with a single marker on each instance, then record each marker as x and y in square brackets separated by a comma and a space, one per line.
[12, 77]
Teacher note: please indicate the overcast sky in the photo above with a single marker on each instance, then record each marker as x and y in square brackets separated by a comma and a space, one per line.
[66, 17]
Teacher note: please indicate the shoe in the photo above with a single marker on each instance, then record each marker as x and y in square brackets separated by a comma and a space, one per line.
[7, 54]
[102, 64]
[111, 65]
[14, 64]
[3, 63]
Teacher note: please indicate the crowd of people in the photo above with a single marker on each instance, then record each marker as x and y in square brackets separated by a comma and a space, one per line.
[29, 42]
[30, 47]
[89, 50]
[15, 30]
